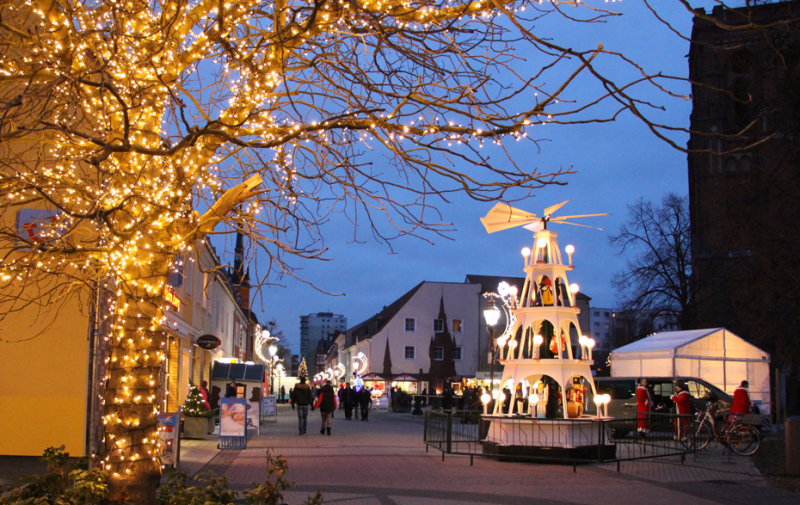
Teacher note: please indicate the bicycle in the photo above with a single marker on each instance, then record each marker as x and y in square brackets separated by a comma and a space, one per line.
[742, 439]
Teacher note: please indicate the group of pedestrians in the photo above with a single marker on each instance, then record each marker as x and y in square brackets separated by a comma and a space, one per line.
[302, 398]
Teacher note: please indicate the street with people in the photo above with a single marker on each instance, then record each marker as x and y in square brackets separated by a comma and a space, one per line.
[385, 462]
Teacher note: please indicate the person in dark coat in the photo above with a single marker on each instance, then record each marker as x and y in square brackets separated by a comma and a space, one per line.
[326, 402]
[230, 390]
[506, 400]
[364, 399]
[348, 399]
[301, 398]
[447, 398]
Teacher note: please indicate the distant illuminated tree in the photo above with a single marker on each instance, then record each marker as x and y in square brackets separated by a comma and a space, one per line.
[302, 372]
[122, 121]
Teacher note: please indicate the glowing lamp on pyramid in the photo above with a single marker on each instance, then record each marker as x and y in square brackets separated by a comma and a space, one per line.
[538, 341]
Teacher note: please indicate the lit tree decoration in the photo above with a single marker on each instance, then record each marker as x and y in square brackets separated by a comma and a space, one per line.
[194, 405]
[120, 118]
[302, 371]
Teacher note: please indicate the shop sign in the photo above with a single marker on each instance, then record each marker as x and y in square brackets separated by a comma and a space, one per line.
[209, 342]
[172, 299]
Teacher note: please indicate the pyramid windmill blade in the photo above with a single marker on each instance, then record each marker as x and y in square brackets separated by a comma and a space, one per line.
[503, 217]
[580, 215]
[550, 210]
[559, 221]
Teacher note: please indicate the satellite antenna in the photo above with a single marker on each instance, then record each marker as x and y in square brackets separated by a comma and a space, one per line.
[503, 217]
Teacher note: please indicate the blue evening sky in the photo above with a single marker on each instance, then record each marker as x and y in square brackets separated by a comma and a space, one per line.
[616, 164]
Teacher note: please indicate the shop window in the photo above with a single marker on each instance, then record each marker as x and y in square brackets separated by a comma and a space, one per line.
[456, 325]
[411, 324]
[438, 353]
[457, 353]
[438, 325]
[410, 352]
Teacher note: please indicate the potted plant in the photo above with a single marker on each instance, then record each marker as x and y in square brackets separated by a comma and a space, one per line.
[195, 414]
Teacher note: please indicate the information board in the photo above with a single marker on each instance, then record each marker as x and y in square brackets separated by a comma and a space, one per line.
[269, 407]
[168, 437]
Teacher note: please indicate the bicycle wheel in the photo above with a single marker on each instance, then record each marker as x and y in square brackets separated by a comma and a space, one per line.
[703, 436]
[744, 440]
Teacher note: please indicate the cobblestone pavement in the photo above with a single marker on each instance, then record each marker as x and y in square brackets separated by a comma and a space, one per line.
[384, 462]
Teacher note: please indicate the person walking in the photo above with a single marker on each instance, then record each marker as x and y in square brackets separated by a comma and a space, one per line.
[683, 405]
[282, 399]
[326, 402]
[364, 399]
[644, 403]
[302, 398]
[349, 401]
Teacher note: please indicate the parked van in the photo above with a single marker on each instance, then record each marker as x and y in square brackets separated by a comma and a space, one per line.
[622, 391]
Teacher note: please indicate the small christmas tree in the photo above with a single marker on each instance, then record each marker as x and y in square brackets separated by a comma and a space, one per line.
[194, 405]
[303, 370]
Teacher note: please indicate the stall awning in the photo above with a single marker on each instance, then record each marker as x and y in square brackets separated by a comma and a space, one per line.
[405, 378]
[240, 372]
[372, 377]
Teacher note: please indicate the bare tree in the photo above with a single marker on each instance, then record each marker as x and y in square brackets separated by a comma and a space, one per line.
[655, 283]
[129, 130]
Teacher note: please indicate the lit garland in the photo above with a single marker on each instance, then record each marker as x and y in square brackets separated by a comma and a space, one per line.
[113, 121]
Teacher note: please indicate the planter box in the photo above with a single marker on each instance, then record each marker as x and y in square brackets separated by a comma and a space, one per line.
[195, 427]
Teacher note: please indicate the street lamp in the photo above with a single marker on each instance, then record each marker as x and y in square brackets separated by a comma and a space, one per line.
[272, 350]
[491, 315]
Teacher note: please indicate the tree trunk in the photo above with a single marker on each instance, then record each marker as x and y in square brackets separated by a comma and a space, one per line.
[131, 399]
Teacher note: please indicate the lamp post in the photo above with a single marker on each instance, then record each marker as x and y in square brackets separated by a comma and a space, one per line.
[272, 350]
[491, 315]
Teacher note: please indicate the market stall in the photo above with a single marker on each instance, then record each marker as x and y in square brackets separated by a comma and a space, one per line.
[714, 354]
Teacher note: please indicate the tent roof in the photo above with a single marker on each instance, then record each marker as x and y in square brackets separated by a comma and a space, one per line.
[709, 343]
[667, 340]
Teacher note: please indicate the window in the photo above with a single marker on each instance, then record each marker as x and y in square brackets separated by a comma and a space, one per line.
[410, 354]
[411, 324]
[606, 325]
[456, 325]
[607, 314]
[457, 353]
[597, 313]
[597, 324]
[438, 325]
[438, 353]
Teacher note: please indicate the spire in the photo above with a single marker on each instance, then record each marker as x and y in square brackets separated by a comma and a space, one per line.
[238, 259]
[387, 361]
[239, 277]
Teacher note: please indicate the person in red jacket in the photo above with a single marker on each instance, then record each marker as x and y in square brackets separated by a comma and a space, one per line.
[644, 402]
[741, 400]
[683, 404]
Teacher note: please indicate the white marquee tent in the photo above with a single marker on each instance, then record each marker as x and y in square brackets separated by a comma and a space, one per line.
[714, 354]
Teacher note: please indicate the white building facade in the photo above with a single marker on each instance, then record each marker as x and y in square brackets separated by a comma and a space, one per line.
[426, 339]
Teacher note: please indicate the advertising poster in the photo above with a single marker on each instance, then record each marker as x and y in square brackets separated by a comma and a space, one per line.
[252, 416]
[232, 417]
[168, 431]
[270, 406]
